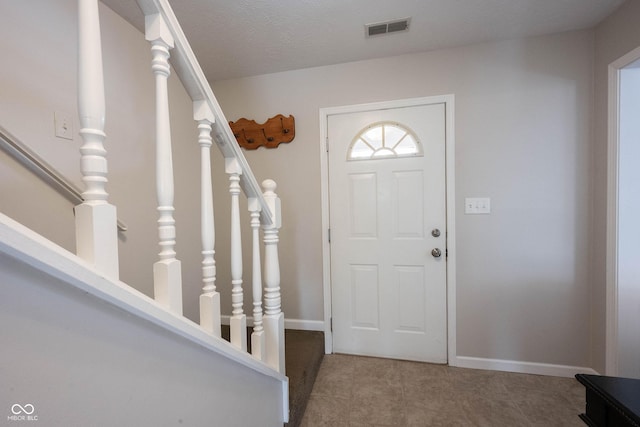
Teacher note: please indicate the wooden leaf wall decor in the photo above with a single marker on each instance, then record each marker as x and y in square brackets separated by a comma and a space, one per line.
[251, 135]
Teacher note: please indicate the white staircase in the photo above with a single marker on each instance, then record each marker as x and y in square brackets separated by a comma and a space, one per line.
[33, 264]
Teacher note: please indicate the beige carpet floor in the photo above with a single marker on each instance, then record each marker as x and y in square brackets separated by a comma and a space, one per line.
[359, 391]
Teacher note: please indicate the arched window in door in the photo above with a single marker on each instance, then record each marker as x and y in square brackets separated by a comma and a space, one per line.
[384, 140]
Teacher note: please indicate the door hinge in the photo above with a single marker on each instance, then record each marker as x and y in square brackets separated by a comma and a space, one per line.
[331, 324]
[329, 235]
[326, 144]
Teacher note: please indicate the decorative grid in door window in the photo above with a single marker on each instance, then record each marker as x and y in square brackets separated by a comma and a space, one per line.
[384, 140]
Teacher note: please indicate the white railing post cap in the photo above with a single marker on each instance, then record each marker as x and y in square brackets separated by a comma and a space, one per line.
[232, 166]
[273, 201]
[202, 111]
[157, 29]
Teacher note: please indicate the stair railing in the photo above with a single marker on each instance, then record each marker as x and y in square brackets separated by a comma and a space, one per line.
[96, 233]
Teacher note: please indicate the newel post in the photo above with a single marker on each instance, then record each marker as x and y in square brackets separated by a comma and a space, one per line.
[273, 316]
[96, 219]
[210, 298]
[167, 274]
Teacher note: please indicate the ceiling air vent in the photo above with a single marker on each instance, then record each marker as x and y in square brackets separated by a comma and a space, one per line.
[388, 27]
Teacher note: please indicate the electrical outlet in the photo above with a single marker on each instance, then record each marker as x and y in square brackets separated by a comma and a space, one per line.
[477, 205]
[63, 125]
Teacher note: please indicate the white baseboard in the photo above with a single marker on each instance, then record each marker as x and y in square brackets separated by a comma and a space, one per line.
[299, 324]
[519, 366]
[304, 325]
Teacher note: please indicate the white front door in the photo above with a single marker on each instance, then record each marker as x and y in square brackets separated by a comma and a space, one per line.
[387, 214]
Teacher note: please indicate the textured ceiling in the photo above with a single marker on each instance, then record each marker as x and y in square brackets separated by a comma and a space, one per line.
[239, 38]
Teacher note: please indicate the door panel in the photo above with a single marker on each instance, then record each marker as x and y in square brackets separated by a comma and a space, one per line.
[364, 288]
[407, 204]
[409, 281]
[388, 291]
[363, 199]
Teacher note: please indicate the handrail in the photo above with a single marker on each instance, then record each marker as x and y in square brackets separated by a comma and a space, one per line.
[16, 149]
[190, 73]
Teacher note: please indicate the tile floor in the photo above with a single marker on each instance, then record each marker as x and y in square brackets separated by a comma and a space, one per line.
[357, 391]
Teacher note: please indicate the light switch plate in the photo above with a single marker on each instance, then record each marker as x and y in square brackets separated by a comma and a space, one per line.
[477, 205]
[64, 125]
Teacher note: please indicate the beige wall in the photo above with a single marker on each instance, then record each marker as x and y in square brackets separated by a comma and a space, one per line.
[522, 138]
[614, 37]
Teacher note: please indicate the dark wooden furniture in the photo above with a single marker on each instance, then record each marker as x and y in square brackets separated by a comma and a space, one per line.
[611, 401]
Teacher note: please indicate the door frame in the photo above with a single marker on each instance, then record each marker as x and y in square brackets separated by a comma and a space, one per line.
[613, 142]
[448, 101]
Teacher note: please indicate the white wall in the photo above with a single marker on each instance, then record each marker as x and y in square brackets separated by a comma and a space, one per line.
[38, 76]
[628, 224]
[522, 138]
[82, 362]
[614, 37]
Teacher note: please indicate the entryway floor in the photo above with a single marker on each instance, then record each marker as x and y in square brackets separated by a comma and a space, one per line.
[361, 391]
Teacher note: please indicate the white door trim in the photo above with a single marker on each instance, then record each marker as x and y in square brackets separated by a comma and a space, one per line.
[611, 339]
[448, 100]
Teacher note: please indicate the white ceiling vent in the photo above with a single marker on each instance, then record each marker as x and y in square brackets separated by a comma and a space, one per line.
[387, 27]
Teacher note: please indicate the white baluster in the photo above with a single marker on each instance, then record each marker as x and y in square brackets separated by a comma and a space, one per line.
[273, 316]
[210, 298]
[96, 232]
[257, 336]
[238, 326]
[167, 274]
